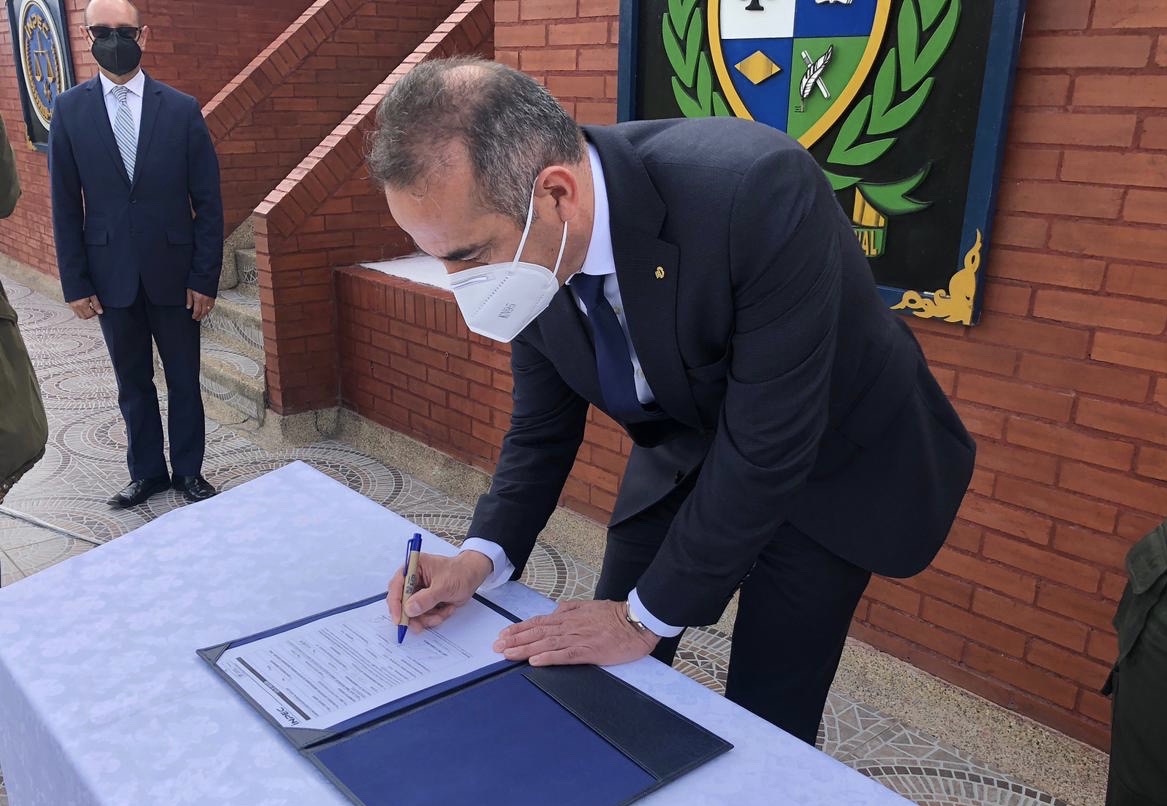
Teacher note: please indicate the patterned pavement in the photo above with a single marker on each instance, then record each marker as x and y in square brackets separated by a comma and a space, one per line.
[85, 463]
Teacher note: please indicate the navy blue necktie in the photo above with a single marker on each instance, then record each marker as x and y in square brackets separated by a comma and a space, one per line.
[613, 362]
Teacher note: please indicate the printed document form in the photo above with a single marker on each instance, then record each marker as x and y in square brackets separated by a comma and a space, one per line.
[337, 667]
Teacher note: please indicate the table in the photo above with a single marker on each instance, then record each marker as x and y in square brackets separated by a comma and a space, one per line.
[103, 700]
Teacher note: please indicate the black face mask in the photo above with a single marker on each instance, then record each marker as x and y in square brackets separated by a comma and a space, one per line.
[117, 54]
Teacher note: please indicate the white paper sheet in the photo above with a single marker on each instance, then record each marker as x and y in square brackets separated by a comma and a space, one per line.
[340, 666]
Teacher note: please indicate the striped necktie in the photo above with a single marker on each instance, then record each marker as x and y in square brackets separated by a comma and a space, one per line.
[613, 359]
[124, 130]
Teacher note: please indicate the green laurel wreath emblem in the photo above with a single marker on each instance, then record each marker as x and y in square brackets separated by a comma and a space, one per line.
[683, 33]
[925, 30]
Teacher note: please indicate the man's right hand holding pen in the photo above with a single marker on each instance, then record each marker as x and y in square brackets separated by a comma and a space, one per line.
[443, 585]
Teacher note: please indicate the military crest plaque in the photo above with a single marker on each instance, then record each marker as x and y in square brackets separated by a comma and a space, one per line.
[44, 61]
[902, 102]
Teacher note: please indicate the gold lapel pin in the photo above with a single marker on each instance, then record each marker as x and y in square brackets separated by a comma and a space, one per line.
[660, 272]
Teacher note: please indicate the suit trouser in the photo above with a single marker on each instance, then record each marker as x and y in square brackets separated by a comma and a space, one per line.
[129, 334]
[794, 611]
[1138, 740]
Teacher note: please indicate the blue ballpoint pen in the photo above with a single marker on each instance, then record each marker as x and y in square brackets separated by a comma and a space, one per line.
[409, 571]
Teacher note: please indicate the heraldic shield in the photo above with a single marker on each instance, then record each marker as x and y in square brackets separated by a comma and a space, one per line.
[795, 64]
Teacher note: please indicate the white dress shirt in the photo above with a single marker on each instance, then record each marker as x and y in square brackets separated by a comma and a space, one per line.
[136, 87]
[599, 261]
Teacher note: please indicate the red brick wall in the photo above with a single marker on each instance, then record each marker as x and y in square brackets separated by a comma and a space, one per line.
[198, 46]
[568, 45]
[304, 84]
[408, 362]
[195, 47]
[327, 214]
[1064, 384]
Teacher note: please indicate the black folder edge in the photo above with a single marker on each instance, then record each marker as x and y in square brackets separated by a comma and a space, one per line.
[633, 732]
[309, 741]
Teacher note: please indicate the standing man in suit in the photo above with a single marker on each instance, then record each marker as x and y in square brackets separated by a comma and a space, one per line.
[698, 281]
[138, 221]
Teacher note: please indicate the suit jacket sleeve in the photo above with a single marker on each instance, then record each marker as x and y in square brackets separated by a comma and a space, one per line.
[547, 427]
[207, 202]
[786, 273]
[68, 211]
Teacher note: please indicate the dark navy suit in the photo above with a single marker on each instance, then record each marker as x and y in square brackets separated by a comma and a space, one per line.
[801, 443]
[139, 245]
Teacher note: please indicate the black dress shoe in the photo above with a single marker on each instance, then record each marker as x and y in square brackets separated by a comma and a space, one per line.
[194, 488]
[138, 491]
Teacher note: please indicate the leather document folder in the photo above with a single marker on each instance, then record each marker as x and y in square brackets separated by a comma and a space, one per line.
[507, 733]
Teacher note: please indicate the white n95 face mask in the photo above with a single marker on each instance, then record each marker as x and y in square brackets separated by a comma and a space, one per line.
[500, 299]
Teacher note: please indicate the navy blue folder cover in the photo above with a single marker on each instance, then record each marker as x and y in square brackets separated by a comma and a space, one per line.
[507, 734]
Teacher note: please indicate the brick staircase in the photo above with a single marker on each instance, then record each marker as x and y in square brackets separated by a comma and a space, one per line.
[287, 104]
[233, 355]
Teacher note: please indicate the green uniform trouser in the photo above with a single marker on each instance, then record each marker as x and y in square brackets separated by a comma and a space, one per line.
[1138, 743]
[23, 429]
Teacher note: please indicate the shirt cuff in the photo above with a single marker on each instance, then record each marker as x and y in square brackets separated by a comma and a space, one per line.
[502, 566]
[655, 625]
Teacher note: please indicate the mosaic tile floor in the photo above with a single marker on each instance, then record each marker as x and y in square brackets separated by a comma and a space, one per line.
[84, 464]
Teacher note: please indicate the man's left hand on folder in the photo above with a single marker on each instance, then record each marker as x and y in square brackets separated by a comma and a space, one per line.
[577, 632]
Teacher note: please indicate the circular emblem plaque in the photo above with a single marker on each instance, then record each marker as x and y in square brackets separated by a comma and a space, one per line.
[41, 52]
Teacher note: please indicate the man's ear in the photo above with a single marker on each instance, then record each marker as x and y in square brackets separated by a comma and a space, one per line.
[562, 183]
[143, 36]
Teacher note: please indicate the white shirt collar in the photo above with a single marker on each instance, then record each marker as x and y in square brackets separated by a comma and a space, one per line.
[136, 85]
[600, 259]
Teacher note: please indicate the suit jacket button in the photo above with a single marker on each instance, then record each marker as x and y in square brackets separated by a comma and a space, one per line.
[679, 477]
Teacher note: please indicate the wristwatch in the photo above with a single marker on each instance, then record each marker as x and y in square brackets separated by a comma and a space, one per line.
[633, 620]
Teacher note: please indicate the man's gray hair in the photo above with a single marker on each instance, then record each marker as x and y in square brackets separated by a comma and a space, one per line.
[511, 127]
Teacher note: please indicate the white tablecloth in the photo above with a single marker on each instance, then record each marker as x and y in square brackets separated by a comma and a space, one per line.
[103, 700]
